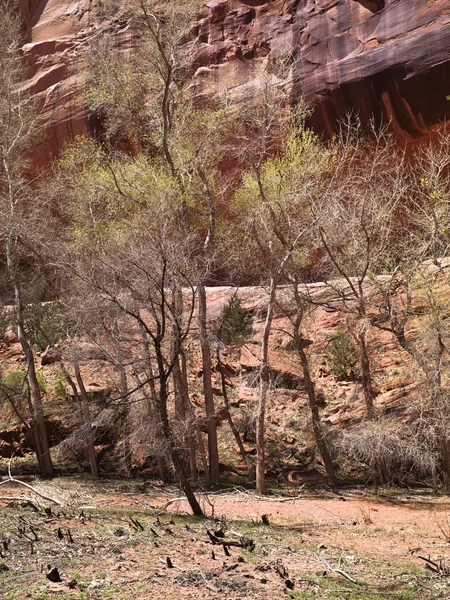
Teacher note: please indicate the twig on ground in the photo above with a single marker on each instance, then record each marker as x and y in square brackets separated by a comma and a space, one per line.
[338, 571]
[12, 480]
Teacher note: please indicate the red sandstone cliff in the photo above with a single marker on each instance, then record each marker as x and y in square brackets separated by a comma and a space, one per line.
[387, 57]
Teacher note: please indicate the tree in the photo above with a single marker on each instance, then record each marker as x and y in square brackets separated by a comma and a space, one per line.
[412, 299]
[21, 213]
[358, 207]
[274, 204]
[124, 248]
[170, 128]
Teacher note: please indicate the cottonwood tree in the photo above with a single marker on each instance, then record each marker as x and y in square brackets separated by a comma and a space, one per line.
[412, 301]
[20, 211]
[273, 202]
[258, 134]
[169, 127]
[124, 247]
[358, 207]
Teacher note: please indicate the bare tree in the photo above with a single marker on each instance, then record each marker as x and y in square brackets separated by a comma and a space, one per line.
[169, 126]
[20, 212]
[359, 207]
[273, 202]
[127, 253]
[412, 299]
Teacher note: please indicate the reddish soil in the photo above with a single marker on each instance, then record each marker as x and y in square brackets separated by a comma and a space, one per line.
[316, 542]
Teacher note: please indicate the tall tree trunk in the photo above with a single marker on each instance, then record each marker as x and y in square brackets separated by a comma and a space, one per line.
[192, 420]
[167, 432]
[127, 456]
[263, 389]
[366, 374]
[181, 413]
[86, 413]
[42, 445]
[444, 451]
[202, 452]
[153, 406]
[213, 452]
[179, 388]
[35, 432]
[364, 359]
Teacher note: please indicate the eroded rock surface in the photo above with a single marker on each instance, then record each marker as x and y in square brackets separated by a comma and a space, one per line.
[390, 58]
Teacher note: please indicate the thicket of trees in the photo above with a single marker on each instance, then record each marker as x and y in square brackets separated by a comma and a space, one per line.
[133, 223]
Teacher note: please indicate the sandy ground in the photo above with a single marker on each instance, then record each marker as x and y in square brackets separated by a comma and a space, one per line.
[376, 541]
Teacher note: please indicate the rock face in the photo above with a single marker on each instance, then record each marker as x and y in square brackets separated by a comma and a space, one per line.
[55, 75]
[389, 58]
[59, 34]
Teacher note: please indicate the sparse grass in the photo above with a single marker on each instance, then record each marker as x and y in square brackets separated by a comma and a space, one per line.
[110, 559]
[365, 512]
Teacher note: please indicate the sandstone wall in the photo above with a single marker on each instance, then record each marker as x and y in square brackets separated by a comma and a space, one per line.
[390, 58]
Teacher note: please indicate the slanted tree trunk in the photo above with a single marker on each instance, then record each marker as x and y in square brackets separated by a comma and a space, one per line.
[87, 422]
[263, 390]
[42, 442]
[167, 433]
[313, 407]
[300, 345]
[234, 431]
[213, 452]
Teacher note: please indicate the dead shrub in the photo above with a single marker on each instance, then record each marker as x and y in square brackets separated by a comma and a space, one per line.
[394, 457]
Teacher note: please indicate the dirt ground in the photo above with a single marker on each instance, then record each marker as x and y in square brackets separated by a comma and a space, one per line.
[123, 540]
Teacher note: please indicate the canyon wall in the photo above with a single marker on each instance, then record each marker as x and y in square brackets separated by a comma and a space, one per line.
[390, 58]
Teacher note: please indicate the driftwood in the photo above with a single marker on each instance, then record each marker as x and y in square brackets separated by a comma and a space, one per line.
[161, 509]
[439, 568]
[339, 572]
